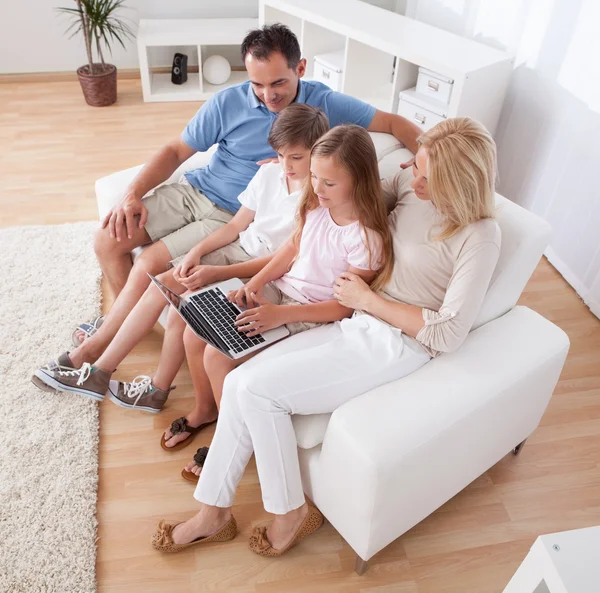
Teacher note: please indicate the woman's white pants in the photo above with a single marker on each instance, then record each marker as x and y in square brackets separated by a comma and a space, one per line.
[314, 372]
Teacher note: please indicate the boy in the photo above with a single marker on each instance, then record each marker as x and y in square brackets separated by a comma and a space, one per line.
[262, 224]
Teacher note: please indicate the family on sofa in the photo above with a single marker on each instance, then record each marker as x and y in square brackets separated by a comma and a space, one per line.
[371, 279]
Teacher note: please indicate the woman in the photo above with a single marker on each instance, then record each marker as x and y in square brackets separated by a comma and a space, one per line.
[446, 246]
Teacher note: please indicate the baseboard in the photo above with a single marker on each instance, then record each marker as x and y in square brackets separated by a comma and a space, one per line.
[580, 288]
[122, 74]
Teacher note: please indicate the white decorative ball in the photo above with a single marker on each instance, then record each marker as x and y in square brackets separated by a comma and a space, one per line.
[216, 70]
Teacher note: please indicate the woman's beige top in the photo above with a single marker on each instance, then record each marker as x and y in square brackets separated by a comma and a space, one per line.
[448, 279]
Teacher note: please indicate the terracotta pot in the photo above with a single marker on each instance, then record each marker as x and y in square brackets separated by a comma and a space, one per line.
[99, 90]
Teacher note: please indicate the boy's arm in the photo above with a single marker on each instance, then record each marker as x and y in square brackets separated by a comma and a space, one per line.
[219, 238]
[227, 233]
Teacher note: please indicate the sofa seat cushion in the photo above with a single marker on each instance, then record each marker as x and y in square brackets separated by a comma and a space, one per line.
[310, 430]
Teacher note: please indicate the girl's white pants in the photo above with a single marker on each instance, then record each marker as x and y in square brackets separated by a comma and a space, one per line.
[314, 372]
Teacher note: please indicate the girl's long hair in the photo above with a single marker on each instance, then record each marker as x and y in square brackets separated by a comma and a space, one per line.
[352, 148]
[461, 172]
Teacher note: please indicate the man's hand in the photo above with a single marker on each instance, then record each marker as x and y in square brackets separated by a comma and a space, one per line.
[121, 220]
[407, 164]
[261, 318]
[197, 278]
[244, 298]
[352, 291]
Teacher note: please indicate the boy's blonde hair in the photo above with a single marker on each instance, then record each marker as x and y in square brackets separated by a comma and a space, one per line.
[352, 148]
[461, 172]
[298, 124]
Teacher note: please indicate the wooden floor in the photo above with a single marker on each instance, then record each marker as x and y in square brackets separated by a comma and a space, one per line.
[53, 147]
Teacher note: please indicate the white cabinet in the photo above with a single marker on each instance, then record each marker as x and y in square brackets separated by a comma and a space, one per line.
[386, 53]
[197, 33]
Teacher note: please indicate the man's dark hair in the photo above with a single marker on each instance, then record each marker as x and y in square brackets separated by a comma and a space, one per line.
[261, 43]
[298, 124]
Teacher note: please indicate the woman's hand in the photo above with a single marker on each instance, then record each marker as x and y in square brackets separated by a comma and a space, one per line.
[198, 277]
[243, 297]
[191, 260]
[352, 291]
[261, 318]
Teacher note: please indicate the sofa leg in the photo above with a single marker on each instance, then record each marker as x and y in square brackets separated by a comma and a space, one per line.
[518, 448]
[361, 566]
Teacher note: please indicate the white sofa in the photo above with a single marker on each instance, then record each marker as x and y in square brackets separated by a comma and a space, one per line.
[387, 459]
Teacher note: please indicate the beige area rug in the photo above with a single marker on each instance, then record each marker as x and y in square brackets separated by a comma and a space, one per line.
[49, 282]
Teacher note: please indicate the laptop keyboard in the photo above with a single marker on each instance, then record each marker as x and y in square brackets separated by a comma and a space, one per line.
[222, 315]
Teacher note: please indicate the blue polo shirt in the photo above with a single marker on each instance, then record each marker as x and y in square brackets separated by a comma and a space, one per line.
[240, 124]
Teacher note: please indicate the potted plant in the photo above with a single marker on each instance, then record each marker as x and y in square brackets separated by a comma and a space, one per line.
[100, 27]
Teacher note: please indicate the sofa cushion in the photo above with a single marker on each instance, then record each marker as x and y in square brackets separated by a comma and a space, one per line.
[310, 430]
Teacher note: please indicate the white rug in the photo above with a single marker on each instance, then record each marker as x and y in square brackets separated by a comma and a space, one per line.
[49, 281]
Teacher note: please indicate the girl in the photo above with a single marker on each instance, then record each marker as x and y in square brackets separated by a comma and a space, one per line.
[446, 245]
[342, 227]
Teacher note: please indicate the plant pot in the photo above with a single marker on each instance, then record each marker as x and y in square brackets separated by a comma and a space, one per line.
[100, 89]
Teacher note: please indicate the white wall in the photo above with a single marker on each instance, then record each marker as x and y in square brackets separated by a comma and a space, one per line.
[549, 131]
[32, 35]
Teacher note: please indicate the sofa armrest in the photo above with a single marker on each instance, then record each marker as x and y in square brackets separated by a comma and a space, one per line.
[394, 455]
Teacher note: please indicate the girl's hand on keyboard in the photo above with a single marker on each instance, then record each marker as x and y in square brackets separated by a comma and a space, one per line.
[260, 319]
[243, 297]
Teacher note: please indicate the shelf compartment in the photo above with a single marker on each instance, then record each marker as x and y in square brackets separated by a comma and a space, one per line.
[273, 15]
[371, 76]
[162, 89]
[317, 40]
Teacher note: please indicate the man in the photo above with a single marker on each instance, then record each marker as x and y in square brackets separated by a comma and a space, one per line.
[176, 217]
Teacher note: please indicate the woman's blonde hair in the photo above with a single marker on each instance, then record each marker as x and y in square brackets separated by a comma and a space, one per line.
[461, 172]
[352, 148]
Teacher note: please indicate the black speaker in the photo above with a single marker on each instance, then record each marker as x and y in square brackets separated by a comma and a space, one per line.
[179, 69]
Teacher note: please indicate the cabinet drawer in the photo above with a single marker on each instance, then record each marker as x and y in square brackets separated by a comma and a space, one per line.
[433, 85]
[422, 117]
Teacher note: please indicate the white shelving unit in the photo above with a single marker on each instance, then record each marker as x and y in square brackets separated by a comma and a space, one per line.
[373, 39]
[199, 33]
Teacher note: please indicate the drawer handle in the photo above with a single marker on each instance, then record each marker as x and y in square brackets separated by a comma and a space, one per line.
[419, 118]
[434, 86]
[325, 74]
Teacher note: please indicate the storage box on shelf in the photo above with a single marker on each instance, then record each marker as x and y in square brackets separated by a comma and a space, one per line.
[177, 33]
[328, 69]
[386, 53]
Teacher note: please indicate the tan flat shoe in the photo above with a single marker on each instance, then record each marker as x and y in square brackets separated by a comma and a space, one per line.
[162, 540]
[259, 543]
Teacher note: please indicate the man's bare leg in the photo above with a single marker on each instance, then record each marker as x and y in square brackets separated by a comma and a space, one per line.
[115, 256]
[153, 260]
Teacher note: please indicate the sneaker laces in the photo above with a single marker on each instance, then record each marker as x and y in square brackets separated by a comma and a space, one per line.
[84, 373]
[138, 387]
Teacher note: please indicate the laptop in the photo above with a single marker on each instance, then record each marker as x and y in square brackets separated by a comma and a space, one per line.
[211, 317]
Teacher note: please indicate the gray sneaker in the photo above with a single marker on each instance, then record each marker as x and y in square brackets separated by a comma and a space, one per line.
[87, 380]
[139, 394]
[62, 363]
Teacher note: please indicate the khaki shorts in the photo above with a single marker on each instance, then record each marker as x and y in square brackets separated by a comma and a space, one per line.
[275, 296]
[181, 216]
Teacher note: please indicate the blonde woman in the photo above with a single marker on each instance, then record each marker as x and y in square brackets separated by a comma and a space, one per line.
[446, 246]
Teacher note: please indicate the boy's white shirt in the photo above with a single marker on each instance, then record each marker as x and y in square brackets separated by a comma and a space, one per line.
[275, 210]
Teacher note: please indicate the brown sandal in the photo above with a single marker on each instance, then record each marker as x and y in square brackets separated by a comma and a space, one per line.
[199, 459]
[180, 426]
[162, 539]
[259, 543]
